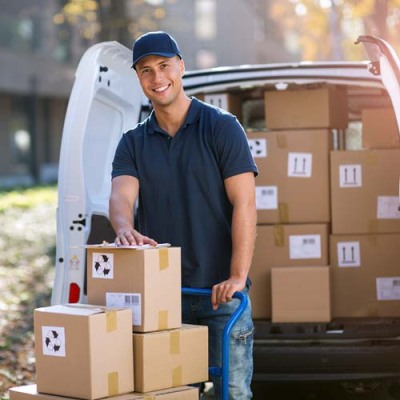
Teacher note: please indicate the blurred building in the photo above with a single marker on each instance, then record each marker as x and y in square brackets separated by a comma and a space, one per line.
[39, 53]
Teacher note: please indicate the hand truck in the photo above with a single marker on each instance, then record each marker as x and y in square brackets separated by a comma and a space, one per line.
[223, 370]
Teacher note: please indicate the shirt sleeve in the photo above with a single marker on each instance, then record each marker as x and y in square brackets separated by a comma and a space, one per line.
[124, 158]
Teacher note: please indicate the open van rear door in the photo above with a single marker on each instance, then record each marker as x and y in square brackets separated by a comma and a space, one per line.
[386, 64]
[106, 100]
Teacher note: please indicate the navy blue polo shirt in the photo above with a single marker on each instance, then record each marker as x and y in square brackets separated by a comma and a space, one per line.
[182, 198]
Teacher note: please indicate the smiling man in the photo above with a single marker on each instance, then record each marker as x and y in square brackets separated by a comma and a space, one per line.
[190, 167]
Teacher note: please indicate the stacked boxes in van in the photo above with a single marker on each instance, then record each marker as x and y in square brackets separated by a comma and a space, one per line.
[290, 271]
[129, 339]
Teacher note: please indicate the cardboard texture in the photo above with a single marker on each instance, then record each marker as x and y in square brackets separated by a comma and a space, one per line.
[365, 275]
[170, 358]
[379, 129]
[365, 191]
[294, 245]
[83, 351]
[30, 392]
[293, 181]
[300, 294]
[227, 101]
[322, 107]
[147, 281]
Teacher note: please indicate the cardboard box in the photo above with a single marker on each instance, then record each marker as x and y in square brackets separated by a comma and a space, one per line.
[379, 129]
[365, 191]
[365, 275]
[293, 181]
[146, 280]
[300, 294]
[280, 246]
[227, 101]
[321, 107]
[29, 392]
[170, 358]
[83, 351]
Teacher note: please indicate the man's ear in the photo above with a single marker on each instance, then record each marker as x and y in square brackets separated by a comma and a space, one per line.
[182, 67]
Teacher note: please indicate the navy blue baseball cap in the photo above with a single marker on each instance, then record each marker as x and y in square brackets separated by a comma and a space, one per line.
[155, 43]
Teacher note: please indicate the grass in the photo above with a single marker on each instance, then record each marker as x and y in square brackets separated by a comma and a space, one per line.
[27, 251]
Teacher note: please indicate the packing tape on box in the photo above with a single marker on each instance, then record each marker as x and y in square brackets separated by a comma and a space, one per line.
[111, 320]
[177, 376]
[113, 388]
[164, 259]
[281, 141]
[174, 342]
[283, 213]
[162, 320]
[279, 235]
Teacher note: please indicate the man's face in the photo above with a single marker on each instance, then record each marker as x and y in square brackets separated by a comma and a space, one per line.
[160, 78]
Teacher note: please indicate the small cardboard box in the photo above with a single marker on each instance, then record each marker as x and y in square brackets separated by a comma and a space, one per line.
[170, 358]
[379, 129]
[365, 191]
[227, 101]
[322, 107]
[300, 294]
[365, 275]
[293, 181]
[83, 351]
[29, 392]
[146, 280]
[294, 245]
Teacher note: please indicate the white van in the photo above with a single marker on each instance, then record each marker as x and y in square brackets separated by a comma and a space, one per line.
[106, 101]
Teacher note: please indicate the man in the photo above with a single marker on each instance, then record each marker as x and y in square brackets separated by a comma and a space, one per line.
[190, 167]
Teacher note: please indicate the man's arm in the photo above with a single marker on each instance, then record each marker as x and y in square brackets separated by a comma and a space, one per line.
[241, 193]
[124, 192]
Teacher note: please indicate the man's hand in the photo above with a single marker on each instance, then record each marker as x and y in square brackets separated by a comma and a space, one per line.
[223, 292]
[132, 237]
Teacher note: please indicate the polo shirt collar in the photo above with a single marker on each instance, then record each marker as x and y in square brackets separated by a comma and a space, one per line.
[192, 116]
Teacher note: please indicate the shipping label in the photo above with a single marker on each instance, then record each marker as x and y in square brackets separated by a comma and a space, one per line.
[266, 197]
[300, 165]
[127, 300]
[350, 176]
[103, 265]
[348, 254]
[388, 288]
[388, 207]
[53, 341]
[304, 246]
[258, 147]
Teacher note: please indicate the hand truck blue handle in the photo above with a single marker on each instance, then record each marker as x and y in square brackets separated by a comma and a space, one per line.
[223, 370]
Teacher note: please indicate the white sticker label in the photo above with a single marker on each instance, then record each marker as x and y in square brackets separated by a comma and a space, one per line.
[219, 100]
[258, 147]
[103, 265]
[348, 254]
[266, 197]
[388, 207]
[53, 341]
[350, 176]
[388, 288]
[304, 246]
[127, 300]
[300, 165]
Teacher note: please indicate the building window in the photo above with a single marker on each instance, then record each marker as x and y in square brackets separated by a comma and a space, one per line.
[205, 19]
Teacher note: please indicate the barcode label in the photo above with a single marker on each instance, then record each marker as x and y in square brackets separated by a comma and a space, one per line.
[266, 197]
[133, 299]
[127, 300]
[388, 288]
[304, 246]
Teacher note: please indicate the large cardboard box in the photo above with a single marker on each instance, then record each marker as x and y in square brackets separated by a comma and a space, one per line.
[83, 351]
[146, 280]
[294, 245]
[29, 392]
[293, 181]
[365, 191]
[365, 275]
[321, 107]
[300, 294]
[379, 129]
[170, 358]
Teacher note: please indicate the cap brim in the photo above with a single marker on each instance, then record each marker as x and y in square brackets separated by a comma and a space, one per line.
[166, 55]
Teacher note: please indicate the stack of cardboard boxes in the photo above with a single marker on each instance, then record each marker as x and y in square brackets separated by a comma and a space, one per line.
[128, 343]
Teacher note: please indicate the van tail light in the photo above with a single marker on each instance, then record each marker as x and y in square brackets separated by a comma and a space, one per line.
[74, 293]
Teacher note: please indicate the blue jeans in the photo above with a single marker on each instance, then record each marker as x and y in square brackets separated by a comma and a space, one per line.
[198, 310]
